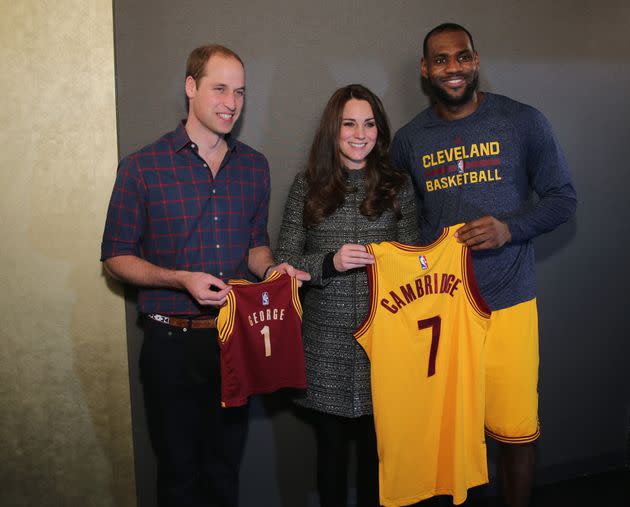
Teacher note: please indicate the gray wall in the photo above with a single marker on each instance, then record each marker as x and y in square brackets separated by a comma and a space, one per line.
[570, 59]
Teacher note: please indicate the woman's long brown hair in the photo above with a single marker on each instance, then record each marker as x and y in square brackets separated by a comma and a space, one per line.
[326, 176]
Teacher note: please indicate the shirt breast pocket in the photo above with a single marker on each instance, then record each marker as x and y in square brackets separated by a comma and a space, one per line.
[172, 200]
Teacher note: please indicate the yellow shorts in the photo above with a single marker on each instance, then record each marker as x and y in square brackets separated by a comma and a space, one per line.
[512, 374]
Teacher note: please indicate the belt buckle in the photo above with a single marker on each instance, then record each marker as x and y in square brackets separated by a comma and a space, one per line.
[160, 318]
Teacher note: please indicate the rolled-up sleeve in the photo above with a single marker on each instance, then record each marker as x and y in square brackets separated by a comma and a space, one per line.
[126, 214]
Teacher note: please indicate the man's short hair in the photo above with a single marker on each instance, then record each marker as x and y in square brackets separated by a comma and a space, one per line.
[198, 57]
[446, 27]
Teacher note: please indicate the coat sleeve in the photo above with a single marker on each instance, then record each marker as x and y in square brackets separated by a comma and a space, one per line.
[292, 242]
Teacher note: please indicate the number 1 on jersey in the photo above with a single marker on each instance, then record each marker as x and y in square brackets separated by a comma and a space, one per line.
[267, 337]
[435, 323]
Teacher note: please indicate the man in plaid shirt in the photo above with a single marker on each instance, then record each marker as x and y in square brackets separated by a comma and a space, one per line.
[188, 212]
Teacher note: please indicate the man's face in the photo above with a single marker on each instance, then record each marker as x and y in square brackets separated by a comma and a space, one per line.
[216, 99]
[451, 67]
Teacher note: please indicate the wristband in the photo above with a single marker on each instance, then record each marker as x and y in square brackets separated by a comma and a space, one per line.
[267, 271]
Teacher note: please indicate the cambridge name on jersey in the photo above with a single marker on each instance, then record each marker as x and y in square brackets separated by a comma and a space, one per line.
[424, 335]
[260, 335]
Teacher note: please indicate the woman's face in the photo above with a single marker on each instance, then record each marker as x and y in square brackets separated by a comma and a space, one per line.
[358, 133]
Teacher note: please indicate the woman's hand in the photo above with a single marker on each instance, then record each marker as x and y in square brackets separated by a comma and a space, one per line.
[351, 256]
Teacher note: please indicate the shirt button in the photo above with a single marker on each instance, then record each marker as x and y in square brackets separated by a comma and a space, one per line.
[218, 246]
[205, 165]
[193, 145]
[216, 218]
[220, 273]
[214, 191]
[184, 329]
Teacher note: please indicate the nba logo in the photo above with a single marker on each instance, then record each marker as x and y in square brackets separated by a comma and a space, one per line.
[424, 264]
[265, 298]
[460, 166]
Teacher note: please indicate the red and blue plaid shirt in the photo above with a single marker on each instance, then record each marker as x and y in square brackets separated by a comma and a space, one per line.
[168, 209]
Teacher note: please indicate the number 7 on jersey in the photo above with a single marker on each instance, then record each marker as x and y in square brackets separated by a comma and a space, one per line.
[435, 323]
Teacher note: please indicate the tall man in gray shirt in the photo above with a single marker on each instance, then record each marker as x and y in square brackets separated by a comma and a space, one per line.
[477, 158]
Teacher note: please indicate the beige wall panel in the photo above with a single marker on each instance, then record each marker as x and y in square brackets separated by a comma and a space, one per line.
[65, 436]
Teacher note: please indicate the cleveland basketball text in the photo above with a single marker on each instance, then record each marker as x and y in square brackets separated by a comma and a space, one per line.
[461, 153]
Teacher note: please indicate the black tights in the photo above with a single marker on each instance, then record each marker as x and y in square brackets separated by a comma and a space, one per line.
[334, 434]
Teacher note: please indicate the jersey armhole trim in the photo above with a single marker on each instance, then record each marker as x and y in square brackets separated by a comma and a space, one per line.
[227, 316]
[295, 297]
[470, 283]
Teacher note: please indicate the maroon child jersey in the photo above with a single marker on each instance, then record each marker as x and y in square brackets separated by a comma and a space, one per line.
[260, 335]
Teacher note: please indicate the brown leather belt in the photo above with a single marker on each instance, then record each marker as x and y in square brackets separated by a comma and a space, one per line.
[198, 323]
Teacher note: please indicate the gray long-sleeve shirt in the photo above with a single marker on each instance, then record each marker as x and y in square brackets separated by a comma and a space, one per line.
[490, 163]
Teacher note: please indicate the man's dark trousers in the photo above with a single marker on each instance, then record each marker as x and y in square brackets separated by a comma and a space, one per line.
[198, 444]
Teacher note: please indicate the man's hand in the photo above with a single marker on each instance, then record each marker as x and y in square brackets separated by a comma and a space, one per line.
[484, 233]
[351, 256]
[286, 268]
[207, 290]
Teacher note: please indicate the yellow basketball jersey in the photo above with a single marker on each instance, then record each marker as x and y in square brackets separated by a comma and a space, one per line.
[424, 335]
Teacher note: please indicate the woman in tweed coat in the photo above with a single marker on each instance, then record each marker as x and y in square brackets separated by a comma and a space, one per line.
[348, 196]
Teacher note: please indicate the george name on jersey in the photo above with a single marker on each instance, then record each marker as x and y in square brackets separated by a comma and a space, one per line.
[266, 315]
[436, 283]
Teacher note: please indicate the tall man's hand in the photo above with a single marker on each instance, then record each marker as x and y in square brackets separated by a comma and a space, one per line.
[484, 233]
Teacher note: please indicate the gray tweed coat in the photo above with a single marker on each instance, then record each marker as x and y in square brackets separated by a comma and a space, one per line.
[337, 368]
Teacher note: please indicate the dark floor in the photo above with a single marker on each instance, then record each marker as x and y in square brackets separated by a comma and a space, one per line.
[609, 489]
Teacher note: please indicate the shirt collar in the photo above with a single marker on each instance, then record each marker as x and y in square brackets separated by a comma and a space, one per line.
[433, 120]
[181, 139]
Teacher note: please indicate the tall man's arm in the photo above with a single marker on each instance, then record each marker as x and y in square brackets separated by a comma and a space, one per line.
[547, 174]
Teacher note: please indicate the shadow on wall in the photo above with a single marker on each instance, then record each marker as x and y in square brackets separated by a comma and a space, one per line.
[549, 245]
[102, 373]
